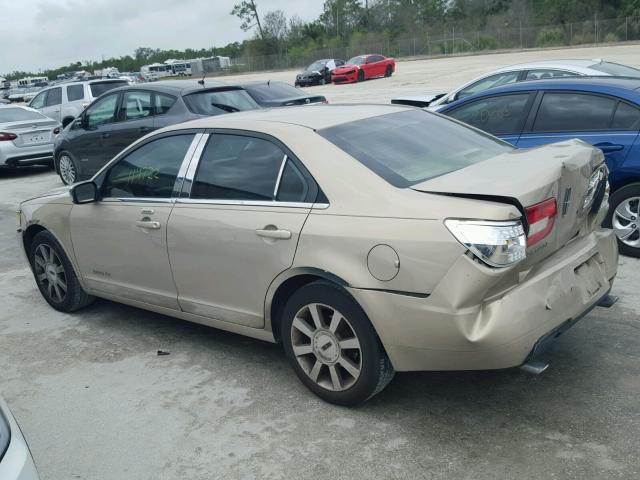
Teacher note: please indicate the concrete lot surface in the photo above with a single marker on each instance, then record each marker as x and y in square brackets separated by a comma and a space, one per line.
[96, 402]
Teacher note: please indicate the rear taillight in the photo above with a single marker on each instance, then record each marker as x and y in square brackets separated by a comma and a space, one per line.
[7, 136]
[541, 217]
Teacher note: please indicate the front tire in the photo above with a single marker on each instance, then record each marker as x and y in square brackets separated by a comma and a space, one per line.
[624, 217]
[360, 76]
[54, 275]
[332, 346]
[67, 168]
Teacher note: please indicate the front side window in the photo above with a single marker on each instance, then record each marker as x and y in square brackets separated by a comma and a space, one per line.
[54, 97]
[75, 92]
[150, 171]
[136, 105]
[163, 103]
[412, 146]
[543, 74]
[375, 58]
[216, 102]
[356, 60]
[102, 112]
[235, 167]
[498, 115]
[39, 100]
[567, 111]
[489, 82]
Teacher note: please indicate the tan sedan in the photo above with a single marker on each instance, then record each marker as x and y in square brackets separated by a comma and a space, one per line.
[365, 239]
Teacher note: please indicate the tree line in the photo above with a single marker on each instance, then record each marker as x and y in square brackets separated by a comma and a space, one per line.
[350, 23]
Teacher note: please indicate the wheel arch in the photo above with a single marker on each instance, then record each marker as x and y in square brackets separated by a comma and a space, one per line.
[624, 182]
[285, 285]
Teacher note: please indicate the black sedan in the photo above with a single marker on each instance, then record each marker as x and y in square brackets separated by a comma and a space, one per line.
[318, 73]
[122, 115]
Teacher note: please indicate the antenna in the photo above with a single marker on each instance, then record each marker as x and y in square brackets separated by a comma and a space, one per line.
[269, 83]
[201, 81]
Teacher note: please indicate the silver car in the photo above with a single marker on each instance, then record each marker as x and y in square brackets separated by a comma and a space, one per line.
[16, 462]
[66, 101]
[26, 137]
[519, 73]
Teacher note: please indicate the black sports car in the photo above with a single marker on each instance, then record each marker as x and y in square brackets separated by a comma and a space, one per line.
[318, 73]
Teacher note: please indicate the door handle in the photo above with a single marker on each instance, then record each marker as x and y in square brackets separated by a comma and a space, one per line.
[273, 232]
[106, 135]
[148, 224]
[145, 129]
[608, 147]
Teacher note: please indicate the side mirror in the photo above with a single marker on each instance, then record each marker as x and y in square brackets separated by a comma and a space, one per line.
[85, 192]
[81, 122]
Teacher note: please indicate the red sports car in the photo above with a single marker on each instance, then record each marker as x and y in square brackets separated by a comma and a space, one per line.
[363, 67]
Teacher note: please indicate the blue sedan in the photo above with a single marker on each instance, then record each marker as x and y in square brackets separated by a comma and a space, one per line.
[602, 111]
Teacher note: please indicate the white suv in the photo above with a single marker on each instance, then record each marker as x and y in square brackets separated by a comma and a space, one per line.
[64, 102]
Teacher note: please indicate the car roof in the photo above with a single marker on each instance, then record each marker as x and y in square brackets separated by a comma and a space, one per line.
[625, 87]
[184, 87]
[560, 64]
[315, 117]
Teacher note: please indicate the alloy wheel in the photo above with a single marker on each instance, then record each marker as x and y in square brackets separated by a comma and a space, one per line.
[67, 169]
[50, 273]
[625, 221]
[326, 346]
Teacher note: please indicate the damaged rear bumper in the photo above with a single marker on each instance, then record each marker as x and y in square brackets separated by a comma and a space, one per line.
[471, 322]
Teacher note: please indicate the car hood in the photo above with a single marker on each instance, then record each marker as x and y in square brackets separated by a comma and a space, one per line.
[525, 177]
[309, 73]
[345, 68]
[57, 195]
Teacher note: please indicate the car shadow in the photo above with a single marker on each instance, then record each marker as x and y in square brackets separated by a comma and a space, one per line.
[8, 173]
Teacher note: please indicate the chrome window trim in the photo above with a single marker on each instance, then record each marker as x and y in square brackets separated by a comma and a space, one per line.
[246, 203]
[277, 186]
[137, 200]
[193, 167]
[186, 161]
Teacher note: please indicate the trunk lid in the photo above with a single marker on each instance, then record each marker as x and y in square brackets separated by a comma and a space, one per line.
[34, 132]
[303, 100]
[525, 177]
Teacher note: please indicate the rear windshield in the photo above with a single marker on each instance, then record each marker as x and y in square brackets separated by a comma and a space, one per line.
[216, 102]
[18, 115]
[266, 92]
[99, 88]
[616, 69]
[410, 147]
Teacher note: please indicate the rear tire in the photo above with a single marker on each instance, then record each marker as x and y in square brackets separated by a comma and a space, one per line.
[55, 276]
[624, 217]
[67, 168]
[388, 71]
[360, 76]
[332, 346]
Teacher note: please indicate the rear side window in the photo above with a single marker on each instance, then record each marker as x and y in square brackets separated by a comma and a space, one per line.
[566, 111]
[489, 82]
[498, 115]
[375, 58]
[293, 186]
[75, 92]
[163, 103]
[98, 88]
[626, 118]
[412, 146]
[216, 102]
[136, 105]
[150, 171]
[235, 167]
[542, 74]
[54, 97]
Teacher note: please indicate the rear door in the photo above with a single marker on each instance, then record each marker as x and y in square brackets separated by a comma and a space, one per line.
[501, 115]
[603, 121]
[239, 227]
[135, 119]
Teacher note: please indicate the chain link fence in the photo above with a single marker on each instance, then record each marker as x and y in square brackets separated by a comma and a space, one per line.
[451, 40]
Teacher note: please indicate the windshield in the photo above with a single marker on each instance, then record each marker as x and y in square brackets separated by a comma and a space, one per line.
[356, 61]
[216, 102]
[18, 115]
[616, 69]
[410, 147]
[266, 92]
[316, 66]
[99, 88]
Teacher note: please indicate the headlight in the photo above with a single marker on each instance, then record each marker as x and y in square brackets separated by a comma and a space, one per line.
[498, 244]
[594, 182]
[5, 435]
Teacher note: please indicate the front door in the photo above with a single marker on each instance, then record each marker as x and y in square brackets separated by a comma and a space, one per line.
[239, 228]
[120, 242]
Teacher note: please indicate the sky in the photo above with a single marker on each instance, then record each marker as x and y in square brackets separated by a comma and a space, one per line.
[40, 34]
